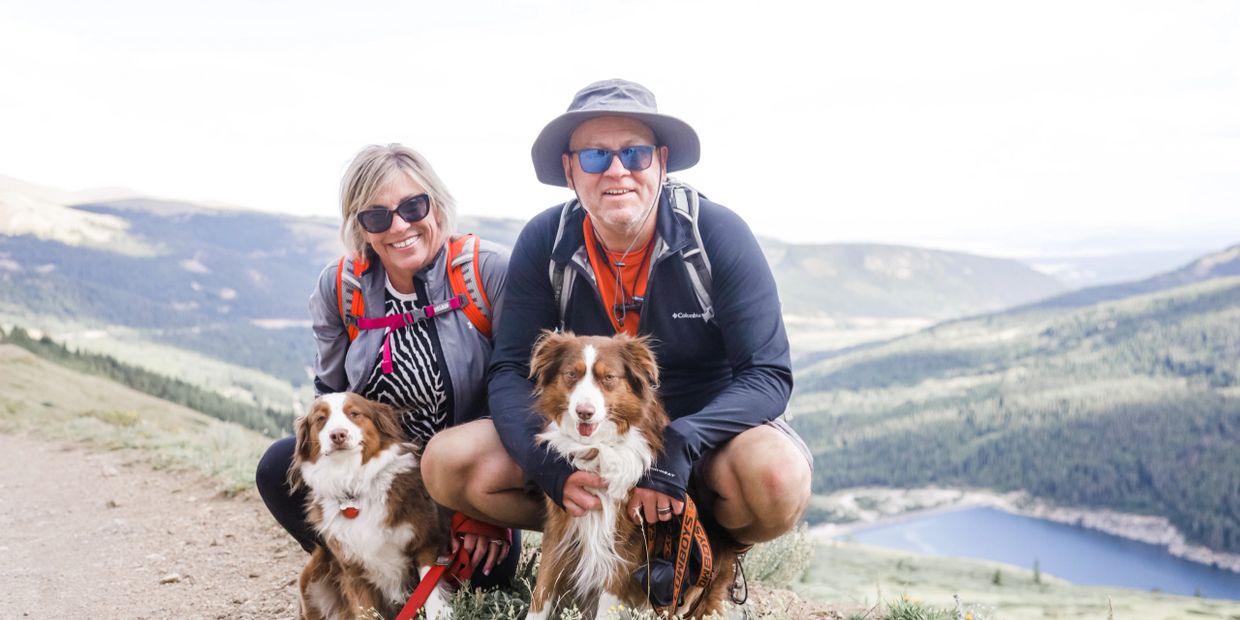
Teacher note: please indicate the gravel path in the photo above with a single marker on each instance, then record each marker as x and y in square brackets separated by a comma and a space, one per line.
[86, 534]
[89, 534]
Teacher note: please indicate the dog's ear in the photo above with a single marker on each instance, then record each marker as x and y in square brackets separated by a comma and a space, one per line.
[385, 419]
[301, 451]
[303, 431]
[640, 365]
[548, 352]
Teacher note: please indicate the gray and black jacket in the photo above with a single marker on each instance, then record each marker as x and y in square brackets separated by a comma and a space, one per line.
[343, 366]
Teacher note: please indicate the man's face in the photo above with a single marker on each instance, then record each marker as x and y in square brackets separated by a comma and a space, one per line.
[616, 198]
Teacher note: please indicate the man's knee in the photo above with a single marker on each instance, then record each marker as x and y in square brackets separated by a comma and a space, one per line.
[442, 461]
[784, 484]
[453, 457]
[771, 477]
[439, 454]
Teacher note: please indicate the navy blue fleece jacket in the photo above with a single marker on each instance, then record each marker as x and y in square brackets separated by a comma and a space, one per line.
[718, 378]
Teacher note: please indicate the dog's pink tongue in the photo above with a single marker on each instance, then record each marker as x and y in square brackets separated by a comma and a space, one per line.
[586, 429]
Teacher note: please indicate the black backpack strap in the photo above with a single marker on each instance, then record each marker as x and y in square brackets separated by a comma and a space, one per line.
[686, 203]
[562, 277]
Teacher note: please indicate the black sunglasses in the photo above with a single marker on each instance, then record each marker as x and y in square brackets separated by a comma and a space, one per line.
[378, 219]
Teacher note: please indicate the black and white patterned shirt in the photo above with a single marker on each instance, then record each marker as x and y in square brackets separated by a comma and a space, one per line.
[418, 386]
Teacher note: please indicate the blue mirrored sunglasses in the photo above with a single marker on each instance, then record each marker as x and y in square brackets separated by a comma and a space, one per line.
[633, 158]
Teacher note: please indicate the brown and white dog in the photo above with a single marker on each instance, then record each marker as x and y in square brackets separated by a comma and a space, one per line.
[597, 397]
[368, 503]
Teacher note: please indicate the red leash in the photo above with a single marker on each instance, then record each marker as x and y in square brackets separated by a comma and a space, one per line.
[458, 567]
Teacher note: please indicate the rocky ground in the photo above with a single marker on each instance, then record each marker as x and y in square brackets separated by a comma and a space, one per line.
[104, 535]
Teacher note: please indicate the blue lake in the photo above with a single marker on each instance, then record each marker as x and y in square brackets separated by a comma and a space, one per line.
[1069, 552]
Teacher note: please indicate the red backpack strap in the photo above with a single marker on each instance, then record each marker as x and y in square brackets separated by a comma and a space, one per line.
[464, 277]
[349, 284]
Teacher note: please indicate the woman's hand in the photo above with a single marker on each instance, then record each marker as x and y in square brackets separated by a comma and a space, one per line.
[487, 551]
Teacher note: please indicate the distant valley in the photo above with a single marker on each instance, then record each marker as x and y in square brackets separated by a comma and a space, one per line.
[914, 366]
[233, 284]
[1132, 403]
[1091, 270]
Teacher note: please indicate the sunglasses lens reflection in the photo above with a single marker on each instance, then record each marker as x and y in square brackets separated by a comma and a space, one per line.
[636, 157]
[415, 208]
[594, 161]
[633, 158]
[377, 220]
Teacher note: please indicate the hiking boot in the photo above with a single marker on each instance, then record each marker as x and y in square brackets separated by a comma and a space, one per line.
[738, 592]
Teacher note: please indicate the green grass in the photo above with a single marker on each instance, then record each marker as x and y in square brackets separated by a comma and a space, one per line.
[774, 564]
[880, 580]
[130, 346]
[47, 400]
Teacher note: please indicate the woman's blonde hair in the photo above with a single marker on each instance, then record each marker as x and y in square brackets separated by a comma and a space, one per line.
[376, 166]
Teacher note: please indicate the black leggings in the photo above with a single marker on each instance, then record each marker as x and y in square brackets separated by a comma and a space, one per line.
[289, 509]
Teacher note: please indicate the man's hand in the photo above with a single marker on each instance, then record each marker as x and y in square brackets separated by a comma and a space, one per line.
[579, 497]
[653, 506]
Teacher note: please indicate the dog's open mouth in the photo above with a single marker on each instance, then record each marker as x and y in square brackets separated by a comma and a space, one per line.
[585, 429]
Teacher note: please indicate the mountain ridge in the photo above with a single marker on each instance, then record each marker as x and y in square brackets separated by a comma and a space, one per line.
[1222, 263]
[216, 280]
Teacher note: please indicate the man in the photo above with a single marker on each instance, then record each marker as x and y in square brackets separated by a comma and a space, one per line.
[725, 379]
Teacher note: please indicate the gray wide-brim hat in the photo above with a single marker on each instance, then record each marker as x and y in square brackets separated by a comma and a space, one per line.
[612, 98]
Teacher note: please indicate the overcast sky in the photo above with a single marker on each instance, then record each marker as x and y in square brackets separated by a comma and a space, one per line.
[1002, 128]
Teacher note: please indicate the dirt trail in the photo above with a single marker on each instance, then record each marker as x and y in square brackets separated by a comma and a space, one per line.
[87, 534]
[90, 534]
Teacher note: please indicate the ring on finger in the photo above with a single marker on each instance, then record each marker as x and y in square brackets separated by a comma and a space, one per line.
[663, 510]
[496, 541]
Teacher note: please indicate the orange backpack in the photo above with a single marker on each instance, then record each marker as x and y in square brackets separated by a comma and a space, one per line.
[468, 292]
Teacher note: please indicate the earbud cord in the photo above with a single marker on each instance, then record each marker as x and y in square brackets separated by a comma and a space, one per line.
[619, 264]
[649, 569]
[645, 216]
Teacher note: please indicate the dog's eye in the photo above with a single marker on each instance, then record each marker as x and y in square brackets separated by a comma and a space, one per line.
[610, 379]
[570, 375]
[352, 413]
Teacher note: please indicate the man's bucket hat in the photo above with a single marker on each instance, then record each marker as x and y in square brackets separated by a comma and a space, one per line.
[613, 98]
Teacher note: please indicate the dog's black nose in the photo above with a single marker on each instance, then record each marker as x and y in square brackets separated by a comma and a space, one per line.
[339, 436]
[585, 411]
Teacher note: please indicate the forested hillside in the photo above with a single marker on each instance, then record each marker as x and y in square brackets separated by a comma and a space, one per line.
[262, 419]
[1132, 405]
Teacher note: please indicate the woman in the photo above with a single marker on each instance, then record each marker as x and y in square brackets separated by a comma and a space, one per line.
[400, 218]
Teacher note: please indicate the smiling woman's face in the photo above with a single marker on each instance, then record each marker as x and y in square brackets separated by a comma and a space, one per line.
[404, 248]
